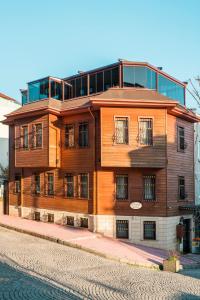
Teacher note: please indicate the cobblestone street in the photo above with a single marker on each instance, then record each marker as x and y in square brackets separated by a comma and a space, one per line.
[32, 268]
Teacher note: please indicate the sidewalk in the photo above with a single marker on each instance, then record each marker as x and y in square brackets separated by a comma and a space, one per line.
[95, 243]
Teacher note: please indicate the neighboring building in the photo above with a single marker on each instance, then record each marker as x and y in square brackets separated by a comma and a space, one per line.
[111, 149]
[7, 105]
[197, 162]
[197, 179]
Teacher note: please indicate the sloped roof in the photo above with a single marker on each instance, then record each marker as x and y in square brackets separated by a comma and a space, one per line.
[7, 97]
[132, 94]
[111, 97]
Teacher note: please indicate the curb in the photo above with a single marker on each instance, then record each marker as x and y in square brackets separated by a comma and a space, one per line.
[76, 246]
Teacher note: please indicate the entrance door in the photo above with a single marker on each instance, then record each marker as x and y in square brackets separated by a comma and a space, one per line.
[5, 198]
[186, 237]
[122, 229]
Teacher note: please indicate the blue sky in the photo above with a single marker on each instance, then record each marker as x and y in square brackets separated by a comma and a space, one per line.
[58, 38]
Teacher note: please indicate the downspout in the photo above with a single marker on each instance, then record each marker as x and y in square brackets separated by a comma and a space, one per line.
[95, 167]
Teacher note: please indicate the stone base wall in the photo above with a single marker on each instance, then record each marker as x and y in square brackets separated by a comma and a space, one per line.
[106, 225]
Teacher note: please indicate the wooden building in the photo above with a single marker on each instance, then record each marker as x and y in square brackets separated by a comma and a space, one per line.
[110, 149]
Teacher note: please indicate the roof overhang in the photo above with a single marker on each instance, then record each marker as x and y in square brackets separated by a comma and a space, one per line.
[131, 103]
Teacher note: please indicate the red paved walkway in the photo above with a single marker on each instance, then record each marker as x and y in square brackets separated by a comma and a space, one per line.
[137, 254]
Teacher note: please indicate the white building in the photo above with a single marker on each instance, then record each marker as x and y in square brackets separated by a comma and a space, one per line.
[7, 105]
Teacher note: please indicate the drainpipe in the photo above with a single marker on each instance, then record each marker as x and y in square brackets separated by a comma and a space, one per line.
[95, 167]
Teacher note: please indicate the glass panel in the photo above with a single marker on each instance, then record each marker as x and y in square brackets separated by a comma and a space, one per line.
[56, 90]
[115, 76]
[129, 76]
[83, 135]
[151, 79]
[17, 183]
[84, 186]
[121, 130]
[99, 82]
[149, 187]
[25, 137]
[83, 91]
[93, 88]
[78, 87]
[140, 77]
[68, 92]
[69, 135]
[38, 90]
[122, 187]
[50, 184]
[37, 184]
[69, 185]
[146, 132]
[170, 89]
[38, 135]
[150, 230]
[73, 89]
[24, 97]
[107, 79]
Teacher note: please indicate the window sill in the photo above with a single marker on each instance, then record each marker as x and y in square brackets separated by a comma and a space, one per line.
[149, 201]
[36, 148]
[122, 200]
[180, 151]
[69, 147]
[50, 196]
[83, 147]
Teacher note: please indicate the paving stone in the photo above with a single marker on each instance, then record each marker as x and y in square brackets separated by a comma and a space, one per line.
[32, 268]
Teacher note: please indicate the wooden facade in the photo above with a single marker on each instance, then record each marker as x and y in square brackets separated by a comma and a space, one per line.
[103, 160]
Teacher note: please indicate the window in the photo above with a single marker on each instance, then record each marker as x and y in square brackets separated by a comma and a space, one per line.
[84, 222]
[149, 230]
[70, 221]
[37, 184]
[140, 77]
[25, 137]
[93, 84]
[17, 183]
[122, 229]
[149, 187]
[69, 186]
[37, 135]
[38, 89]
[83, 186]
[121, 130]
[122, 187]
[50, 218]
[83, 134]
[50, 184]
[171, 89]
[107, 80]
[181, 187]
[99, 82]
[181, 138]
[146, 131]
[69, 135]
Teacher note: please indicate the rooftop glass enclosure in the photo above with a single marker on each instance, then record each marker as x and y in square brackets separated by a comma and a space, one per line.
[45, 88]
[99, 80]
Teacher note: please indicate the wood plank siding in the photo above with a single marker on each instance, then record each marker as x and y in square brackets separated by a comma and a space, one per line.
[179, 163]
[103, 159]
[133, 154]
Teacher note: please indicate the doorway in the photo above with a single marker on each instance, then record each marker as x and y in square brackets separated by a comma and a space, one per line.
[187, 235]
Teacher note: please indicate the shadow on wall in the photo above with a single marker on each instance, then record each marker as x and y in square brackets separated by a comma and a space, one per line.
[17, 284]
